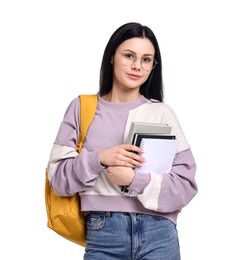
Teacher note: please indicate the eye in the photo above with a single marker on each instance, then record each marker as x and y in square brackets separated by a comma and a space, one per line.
[147, 59]
[129, 56]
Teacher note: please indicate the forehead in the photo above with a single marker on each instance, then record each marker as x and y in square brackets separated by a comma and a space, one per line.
[138, 45]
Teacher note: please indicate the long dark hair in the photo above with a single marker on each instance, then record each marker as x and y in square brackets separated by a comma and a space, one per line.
[153, 87]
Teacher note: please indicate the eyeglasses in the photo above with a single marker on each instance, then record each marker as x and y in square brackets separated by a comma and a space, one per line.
[148, 63]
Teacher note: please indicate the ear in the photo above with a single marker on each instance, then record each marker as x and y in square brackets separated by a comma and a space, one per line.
[112, 60]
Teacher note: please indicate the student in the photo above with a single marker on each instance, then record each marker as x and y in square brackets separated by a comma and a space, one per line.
[120, 226]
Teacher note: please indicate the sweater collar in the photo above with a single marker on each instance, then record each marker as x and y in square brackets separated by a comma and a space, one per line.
[121, 106]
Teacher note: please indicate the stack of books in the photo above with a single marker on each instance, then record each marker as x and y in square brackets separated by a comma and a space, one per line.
[147, 128]
[158, 144]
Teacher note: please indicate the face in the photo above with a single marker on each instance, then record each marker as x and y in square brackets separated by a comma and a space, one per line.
[132, 63]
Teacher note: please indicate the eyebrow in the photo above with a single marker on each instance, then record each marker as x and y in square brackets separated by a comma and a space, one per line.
[149, 54]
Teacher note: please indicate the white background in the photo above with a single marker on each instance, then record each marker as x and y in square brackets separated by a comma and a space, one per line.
[50, 52]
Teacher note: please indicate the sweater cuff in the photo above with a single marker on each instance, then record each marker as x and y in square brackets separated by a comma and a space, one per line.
[140, 181]
[93, 162]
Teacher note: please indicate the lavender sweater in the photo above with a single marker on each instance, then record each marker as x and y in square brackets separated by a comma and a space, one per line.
[70, 172]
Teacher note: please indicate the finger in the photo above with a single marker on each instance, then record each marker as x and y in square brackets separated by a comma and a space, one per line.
[137, 157]
[134, 156]
[129, 161]
[132, 148]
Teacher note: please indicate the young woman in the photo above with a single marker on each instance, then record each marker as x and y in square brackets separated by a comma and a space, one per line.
[120, 226]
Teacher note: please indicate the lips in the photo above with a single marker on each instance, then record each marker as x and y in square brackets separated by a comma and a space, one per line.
[133, 76]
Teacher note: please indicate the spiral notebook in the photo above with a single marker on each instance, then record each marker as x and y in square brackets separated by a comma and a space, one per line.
[159, 152]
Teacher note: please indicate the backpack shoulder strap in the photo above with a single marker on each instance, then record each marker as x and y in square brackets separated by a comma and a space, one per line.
[88, 105]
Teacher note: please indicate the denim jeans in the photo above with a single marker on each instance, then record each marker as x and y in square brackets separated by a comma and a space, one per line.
[130, 236]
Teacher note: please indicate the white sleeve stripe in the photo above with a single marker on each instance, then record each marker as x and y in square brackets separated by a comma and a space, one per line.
[150, 196]
[58, 153]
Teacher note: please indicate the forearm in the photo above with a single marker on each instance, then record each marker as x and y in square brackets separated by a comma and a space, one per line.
[70, 172]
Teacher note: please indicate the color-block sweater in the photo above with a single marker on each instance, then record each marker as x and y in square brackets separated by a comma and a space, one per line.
[162, 194]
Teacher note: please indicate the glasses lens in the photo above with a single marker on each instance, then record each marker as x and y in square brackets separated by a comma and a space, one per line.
[148, 63]
[127, 58]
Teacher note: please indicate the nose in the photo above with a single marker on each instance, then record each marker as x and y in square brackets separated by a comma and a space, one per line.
[136, 64]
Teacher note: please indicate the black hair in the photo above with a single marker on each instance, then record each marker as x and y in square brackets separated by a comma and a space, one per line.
[153, 87]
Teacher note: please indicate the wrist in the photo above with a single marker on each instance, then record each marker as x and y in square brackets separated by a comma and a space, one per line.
[132, 177]
[100, 158]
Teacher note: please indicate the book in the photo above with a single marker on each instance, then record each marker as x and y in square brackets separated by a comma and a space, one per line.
[146, 128]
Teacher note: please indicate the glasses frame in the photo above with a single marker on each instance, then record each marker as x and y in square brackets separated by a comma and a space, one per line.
[134, 60]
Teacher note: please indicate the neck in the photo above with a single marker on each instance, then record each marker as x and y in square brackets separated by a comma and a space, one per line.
[121, 97]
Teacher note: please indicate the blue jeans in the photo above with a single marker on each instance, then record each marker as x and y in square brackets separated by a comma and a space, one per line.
[130, 236]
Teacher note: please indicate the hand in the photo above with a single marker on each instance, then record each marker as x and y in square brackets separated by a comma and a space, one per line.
[121, 155]
[119, 175]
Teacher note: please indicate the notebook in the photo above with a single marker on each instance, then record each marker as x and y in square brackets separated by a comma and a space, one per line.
[159, 152]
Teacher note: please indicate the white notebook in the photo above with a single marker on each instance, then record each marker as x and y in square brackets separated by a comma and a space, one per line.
[159, 153]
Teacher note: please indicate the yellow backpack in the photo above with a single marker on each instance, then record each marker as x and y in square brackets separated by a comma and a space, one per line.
[63, 213]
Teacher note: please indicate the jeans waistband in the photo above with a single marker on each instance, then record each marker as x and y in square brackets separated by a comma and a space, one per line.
[110, 213]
